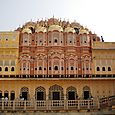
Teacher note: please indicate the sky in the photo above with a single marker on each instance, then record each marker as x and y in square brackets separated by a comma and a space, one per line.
[97, 15]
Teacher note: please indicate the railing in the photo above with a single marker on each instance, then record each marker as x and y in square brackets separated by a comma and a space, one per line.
[47, 105]
[76, 76]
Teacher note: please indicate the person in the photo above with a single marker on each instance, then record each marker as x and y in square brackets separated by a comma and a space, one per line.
[6, 99]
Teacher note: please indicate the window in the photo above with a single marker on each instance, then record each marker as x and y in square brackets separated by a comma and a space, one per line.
[35, 68]
[55, 41]
[98, 69]
[44, 68]
[0, 68]
[6, 94]
[76, 68]
[109, 68]
[103, 68]
[12, 69]
[86, 68]
[56, 67]
[40, 68]
[12, 94]
[49, 41]
[94, 39]
[72, 68]
[49, 68]
[6, 68]
[61, 68]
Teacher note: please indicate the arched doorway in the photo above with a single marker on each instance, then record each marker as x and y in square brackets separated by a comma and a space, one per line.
[6, 94]
[0, 94]
[12, 95]
[24, 93]
[40, 93]
[86, 92]
[71, 93]
[56, 92]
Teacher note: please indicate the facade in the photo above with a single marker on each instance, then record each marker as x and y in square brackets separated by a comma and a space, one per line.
[55, 60]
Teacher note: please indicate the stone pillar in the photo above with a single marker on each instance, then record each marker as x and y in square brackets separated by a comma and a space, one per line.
[14, 105]
[69, 67]
[98, 104]
[43, 66]
[48, 106]
[60, 67]
[88, 105]
[78, 107]
[52, 69]
[65, 100]
[25, 105]
[2, 104]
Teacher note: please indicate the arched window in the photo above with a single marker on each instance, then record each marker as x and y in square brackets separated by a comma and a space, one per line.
[12, 95]
[86, 92]
[0, 68]
[49, 68]
[12, 69]
[55, 40]
[98, 69]
[40, 93]
[72, 68]
[24, 93]
[103, 68]
[71, 93]
[40, 68]
[56, 92]
[6, 94]
[0, 94]
[109, 68]
[6, 68]
[56, 67]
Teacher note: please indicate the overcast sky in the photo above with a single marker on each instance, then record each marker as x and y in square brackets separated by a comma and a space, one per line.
[97, 15]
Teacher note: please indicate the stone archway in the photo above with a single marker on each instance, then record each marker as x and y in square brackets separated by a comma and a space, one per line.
[71, 93]
[86, 92]
[24, 93]
[56, 93]
[40, 93]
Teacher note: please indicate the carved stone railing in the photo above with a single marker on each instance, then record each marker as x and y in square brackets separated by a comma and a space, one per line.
[72, 76]
[52, 105]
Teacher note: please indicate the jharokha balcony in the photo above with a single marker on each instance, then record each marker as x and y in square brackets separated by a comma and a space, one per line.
[56, 105]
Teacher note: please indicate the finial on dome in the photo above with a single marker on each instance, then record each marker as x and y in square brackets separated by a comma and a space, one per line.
[53, 16]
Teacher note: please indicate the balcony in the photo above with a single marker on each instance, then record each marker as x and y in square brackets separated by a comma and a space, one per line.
[58, 76]
[56, 105]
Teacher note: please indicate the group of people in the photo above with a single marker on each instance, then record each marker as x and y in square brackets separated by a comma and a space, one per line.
[4, 98]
